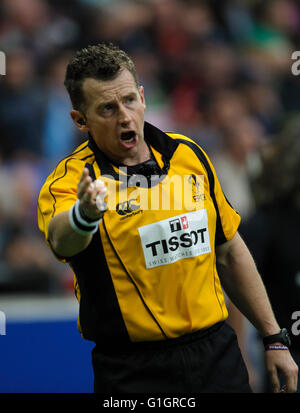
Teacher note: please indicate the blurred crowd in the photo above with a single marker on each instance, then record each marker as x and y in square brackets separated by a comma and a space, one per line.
[216, 71]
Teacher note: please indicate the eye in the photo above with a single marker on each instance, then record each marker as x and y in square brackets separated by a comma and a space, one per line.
[107, 109]
[129, 99]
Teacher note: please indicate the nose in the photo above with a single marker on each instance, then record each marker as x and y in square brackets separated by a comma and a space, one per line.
[124, 115]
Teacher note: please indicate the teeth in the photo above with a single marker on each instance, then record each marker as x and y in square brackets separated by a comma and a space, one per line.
[128, 137]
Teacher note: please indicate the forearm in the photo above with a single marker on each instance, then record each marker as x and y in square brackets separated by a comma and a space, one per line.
[68, 238]
[64, 241]
[244, 286]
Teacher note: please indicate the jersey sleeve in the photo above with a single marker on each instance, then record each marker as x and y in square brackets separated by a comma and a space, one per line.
[228, 219]
[59, 192]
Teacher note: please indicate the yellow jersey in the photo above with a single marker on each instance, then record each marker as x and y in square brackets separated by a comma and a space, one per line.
[150, 272]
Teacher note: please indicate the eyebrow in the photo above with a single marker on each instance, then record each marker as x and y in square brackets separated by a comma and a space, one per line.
[113, 101]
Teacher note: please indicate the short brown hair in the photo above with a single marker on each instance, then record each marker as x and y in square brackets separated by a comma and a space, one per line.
[101, 61]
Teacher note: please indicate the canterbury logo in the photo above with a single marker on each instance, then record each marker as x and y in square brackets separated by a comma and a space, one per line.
[126, 207]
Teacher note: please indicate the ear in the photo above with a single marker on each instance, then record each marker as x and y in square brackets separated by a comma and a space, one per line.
[79, 120]
[142, 95]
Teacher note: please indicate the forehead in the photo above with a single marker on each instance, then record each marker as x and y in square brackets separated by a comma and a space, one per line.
[98, 91]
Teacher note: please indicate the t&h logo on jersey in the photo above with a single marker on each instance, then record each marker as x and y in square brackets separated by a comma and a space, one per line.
[170, 240]
[178, 224]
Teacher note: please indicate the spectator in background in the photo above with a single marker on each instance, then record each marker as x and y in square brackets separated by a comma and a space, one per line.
[211, 69]
[125, 22]
[264, 105]
[224, 107]
[149, 69]
[269, 45]
[21, 107]
[273, 232]
[235, 163]
[58, 135]
[35, 26]
[25, 264]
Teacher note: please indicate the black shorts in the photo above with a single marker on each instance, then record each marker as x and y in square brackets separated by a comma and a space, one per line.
[207, 361]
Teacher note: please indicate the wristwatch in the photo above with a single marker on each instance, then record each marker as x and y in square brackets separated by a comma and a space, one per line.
[282, 337]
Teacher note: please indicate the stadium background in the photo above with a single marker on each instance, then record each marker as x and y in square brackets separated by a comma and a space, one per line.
[218, 72]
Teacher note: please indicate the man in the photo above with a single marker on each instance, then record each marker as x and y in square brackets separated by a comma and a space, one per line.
[146, 278]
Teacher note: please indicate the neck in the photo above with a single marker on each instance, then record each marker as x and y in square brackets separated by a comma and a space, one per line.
[143, 155]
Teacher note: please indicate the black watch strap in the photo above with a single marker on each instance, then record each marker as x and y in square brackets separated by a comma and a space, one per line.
[282, 337]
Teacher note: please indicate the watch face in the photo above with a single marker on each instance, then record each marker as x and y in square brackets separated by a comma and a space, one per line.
[286, 337]
[282, 337]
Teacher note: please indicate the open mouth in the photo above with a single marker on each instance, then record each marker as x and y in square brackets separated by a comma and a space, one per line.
[128, 137]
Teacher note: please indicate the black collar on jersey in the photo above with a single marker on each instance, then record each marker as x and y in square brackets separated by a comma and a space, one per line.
[147, 168]
[160, 140]
[154, 137]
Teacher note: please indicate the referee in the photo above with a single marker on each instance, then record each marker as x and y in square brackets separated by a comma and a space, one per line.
[148, 276]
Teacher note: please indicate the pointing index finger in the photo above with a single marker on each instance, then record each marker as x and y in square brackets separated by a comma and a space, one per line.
[83, 185]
